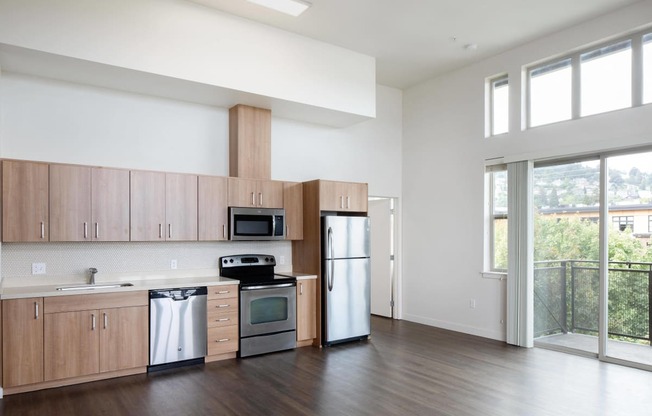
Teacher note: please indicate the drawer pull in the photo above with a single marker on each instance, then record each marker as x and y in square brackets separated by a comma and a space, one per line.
[223, 319]
[223, 292]
[223, 340]
[223, 306]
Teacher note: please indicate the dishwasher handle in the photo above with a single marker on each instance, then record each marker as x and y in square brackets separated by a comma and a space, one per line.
[177, 294]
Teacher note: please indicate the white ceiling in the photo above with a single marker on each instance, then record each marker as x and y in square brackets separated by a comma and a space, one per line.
[414, 40]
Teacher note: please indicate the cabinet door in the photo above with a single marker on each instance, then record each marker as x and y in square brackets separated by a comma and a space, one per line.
[243, 192]
[25, 212]
[356, 197]
[330, 196]
[70, 203]
[181, 207]
[293, 204]
[270, 194]
[22, 346]
[71, 342]
[124, 338]
[110, 204]
[306, 309]
[147, 206]
[213, 208]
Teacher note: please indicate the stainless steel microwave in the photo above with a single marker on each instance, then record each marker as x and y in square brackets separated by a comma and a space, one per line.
[256, 224]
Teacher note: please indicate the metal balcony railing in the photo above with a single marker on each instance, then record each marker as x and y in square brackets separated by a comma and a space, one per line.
[566, 294]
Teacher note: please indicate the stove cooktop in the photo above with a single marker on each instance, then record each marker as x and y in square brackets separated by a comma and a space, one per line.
[252, 269]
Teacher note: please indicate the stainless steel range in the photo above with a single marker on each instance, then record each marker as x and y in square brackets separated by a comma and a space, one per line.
[268, 304]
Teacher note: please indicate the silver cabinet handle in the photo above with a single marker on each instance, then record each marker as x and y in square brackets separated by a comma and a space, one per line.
[341, 202]
[35, 310]
[260, 198]
[223, 292]
[42, 230]
[253, 200]
[226, 305]
[97, 230]
[93, 321]
[160, 231]
[348, 202]
[287, 231]
[301, 288]
[85, 230]
[223, 319]
[106, 321]
[169, 230]
[223, 340]
[224, 231]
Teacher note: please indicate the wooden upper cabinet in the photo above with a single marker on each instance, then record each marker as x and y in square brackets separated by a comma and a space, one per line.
[293, 204]
[110, 204]
[343, 196]
[22, 346]
[255, 193]
[147, 206]
[25, 212]
[181, 207]
[212, 208]
[163, 206]
[88, 204]
[70, 203]
[250, 142]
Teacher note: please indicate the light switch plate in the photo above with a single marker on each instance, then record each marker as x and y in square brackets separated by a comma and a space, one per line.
[173, 264]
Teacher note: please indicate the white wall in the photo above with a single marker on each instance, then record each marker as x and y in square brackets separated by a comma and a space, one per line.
[57, 121]
[444, 152]
[186, 41]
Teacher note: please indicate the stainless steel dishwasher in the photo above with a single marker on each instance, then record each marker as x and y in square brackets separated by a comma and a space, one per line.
[177, 325]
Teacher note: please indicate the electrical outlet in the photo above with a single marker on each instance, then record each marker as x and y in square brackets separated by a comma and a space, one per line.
[281, 259]
[472, 303]
[38, 268]
[173, 264]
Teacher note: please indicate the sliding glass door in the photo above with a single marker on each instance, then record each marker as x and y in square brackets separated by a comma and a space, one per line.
[580, 306]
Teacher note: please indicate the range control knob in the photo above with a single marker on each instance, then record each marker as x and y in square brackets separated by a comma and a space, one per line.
[231, 261]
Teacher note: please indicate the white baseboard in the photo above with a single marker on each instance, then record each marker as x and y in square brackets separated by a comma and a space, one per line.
[465, 329]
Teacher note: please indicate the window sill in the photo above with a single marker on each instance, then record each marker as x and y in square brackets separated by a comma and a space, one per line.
[494, 275]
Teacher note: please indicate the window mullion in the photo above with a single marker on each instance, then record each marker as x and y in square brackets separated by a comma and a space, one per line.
[637, 70]
[576, 94]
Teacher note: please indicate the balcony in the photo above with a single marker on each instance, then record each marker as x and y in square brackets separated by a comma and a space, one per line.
[566, 307]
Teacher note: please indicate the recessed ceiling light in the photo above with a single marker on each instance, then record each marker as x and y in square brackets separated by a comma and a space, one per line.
[291, 7]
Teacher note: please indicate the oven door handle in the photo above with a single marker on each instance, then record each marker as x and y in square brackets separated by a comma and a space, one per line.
[267, 286]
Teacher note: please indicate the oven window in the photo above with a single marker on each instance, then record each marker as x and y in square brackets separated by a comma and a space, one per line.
[253, 225]
[269, 309]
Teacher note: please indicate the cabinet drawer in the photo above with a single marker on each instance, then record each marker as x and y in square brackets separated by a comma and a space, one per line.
[222, 339]
[217, 318]
[222, 292]
[221, 306]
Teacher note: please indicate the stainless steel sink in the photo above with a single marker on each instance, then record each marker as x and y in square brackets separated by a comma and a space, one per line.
[93, 287]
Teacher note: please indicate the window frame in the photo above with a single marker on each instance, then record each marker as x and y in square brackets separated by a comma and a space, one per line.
[490, 172]
[491, 84]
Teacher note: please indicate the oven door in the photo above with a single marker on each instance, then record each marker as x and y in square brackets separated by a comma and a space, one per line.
[268, 309]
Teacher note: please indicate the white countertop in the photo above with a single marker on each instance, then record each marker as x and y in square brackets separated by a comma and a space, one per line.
[26, 288]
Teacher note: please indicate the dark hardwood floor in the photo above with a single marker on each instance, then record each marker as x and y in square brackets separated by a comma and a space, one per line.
[405, 369]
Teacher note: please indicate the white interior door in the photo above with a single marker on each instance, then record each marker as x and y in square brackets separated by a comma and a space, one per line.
[380, 212]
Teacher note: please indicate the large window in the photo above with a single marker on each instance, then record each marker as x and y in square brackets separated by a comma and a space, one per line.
[551, 93]
[499, 91]
[610, 77]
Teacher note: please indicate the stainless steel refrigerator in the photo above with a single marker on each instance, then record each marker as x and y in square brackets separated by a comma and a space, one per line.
[346, 277]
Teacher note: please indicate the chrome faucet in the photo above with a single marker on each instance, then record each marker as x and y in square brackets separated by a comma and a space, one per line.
[93, 270]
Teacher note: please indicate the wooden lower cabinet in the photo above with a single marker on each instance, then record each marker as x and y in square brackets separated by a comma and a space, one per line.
[306, 310]
[60, 340]
[72, 341]
[222, 321]
[22, 342]
[124, 338]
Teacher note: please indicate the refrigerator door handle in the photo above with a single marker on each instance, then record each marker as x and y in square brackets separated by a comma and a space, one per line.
[331, 264]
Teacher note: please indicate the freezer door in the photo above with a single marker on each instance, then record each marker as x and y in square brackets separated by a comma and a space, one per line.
[345, 237]
[347, 312]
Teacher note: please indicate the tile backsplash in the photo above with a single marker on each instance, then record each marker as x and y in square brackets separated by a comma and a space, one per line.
[71, 259]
